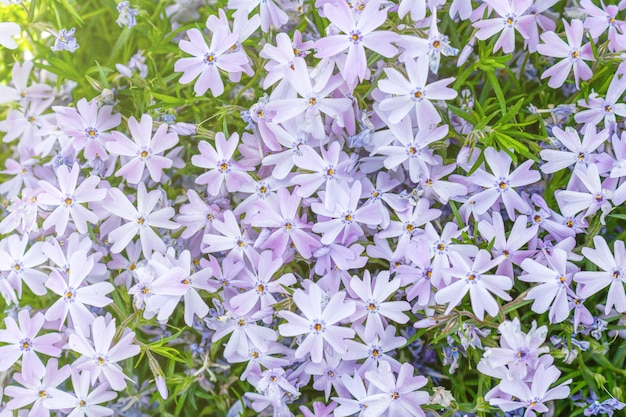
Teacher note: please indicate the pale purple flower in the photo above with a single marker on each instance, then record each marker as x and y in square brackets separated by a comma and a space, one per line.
[359, 32]
[22, 342]
[319, 325]
[82, 402]
[35, 390]
[414, 93]
[539, 21]
[374, 350]
[596, 198]
[573, 52]
[534, 396]
[280, 212]
[495, 230]
[519, 352]
[510, 18]
[88, 124]
[28, 123]
[474, 278]
[578, 153]
[7, 31]
[500, 186]
[411, 149]
[144, 150]
[416, 8]
[21, 91]
[554, 279]
[329, 168]
[127, 16]
[231, 239]
[222, 167]
[343, 221]
[409, 223]
[20, 264]
[141, 219]
[314, 100]
[260, 286]
[612, 274]
[327, 373]
[399, 396]
[604, 108]
[245, 334]
[65, 41]
[598, 20]
[100, 357]
[208, 60]
[68, 199]
[373, 305]
[74, 295]
[272, 15]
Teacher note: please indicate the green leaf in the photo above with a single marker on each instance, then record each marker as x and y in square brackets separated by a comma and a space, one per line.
[495, 84]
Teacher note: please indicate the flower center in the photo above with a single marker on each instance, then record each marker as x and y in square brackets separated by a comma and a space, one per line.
[141, 221]
[312, 101]
[25, 344]
[209, 58]
[68, 201]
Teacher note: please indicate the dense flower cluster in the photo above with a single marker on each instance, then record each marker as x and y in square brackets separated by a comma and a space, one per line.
[357, 228]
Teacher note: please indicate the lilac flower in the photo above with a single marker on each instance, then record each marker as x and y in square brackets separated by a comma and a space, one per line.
[509, 247]
[65, 41]
[271, 13]
[141, 219]
[604, 109]
[345, 218]
[100, 357]
[598, 20]
[260, 286]
[208, 60]
[82, 402]
[399, 395]
[231, 238]
[414, 94]
[377, 349]
[613, 274]
[314, 100]
[519, 352]
[21, 91]
[74, 295]
[359, 33]
[354, 402]
[372, 304]
[67, 200]
[574, 52]
[329, 168]
[318, 325]
[472, 278]
[554, 279]
[20, 264]
[7, 31]
[127, 15]
[144, 149]
[36, 390]
[417, 9]
[245, 334]
[596, 198]
[28, 123]
[88, 125]
[24, 343]
[533, 398]
[280, 212]
[409, 223]
[411, 149]
[222, 168]
[327, 373]
[539, 21]
[578, 153]
[500, 186]
[510, 18]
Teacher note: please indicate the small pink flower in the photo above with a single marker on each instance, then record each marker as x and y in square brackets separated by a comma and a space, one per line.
[145, 149]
